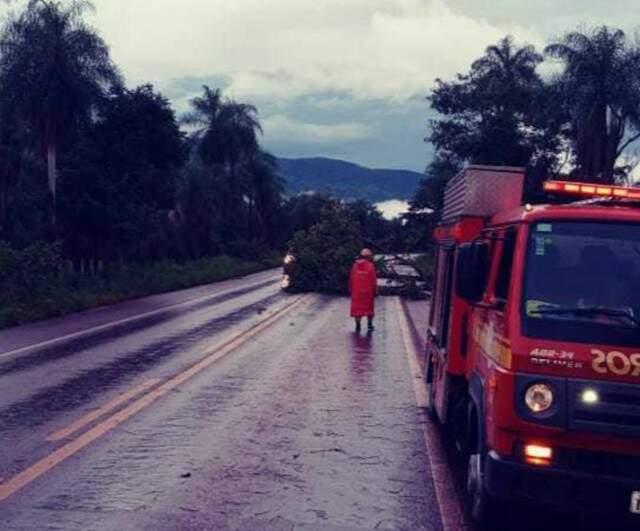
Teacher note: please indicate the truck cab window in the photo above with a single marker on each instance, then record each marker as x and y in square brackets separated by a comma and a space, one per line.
[506, 263]
[582, 282]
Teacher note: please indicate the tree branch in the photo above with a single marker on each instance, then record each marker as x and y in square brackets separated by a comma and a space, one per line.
[627, 143]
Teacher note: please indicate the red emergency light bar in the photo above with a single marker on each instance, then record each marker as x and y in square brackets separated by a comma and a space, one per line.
[591, 190]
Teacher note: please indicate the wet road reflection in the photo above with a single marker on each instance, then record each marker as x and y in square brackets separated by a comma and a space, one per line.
[305, 426]
[361, 356]
[85, 385]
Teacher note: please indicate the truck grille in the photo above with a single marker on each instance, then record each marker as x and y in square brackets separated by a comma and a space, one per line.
[617, 410]
[598, 463]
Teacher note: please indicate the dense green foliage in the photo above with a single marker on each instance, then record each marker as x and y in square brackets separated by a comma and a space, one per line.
[54, 70]
[99, 180]
[106, 171]
[324, 254]
[34, 285]
[326, 247]
[600, 91]
[576, 123]
[427, 203]
[106, 194]
[33, 271]
[120, 181]
[489, 112]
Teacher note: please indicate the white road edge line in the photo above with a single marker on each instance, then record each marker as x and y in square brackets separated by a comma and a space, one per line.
[450, 511]
[112, 324]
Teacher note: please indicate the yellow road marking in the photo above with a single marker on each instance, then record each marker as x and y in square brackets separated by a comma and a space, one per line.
[446, 495]
[102, 410]
[19, 481]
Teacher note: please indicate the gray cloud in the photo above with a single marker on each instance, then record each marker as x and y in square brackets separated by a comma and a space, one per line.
[552, 17]
[342, 78]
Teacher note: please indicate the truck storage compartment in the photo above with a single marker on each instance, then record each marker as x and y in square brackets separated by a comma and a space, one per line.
[483, 191]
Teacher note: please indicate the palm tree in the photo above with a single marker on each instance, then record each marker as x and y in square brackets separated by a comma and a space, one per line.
[205, 118]
[508, 68]
[56, 68]
[226, 130]
[199, 209]
[507, 75]
[601, 91]
[505, 78]
[264, 189]
[227, 136]
[486, 114]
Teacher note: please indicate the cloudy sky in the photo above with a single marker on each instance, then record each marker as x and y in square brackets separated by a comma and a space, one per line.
[338, 78]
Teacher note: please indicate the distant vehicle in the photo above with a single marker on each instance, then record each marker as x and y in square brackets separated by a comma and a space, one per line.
[287, 269]
[533, 348]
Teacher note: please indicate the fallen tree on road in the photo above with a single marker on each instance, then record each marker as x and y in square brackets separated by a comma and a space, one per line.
[408, 276]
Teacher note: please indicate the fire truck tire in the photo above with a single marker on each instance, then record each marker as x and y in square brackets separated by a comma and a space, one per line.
[481, 506]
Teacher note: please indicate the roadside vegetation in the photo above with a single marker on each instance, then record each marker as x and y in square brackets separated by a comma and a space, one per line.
[106, 193]
[36, 286]
[326, 249]
[579, 123]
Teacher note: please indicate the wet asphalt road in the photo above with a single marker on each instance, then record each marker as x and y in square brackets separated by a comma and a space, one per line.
[297, 423]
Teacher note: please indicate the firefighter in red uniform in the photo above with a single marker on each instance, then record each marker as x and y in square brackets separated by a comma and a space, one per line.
[363, 288]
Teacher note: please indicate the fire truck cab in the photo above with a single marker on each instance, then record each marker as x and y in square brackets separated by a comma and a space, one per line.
[533, 343]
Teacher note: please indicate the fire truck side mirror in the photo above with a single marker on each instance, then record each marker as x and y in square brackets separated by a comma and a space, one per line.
[472, 271]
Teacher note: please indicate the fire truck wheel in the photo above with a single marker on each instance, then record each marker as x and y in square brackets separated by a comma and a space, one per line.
[479, 504]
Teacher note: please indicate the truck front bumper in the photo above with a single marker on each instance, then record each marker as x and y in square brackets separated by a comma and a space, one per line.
[559, 488]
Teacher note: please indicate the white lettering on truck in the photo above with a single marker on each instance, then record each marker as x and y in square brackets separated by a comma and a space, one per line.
[615, 362]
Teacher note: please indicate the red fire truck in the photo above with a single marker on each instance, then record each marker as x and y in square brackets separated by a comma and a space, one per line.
[533, 348]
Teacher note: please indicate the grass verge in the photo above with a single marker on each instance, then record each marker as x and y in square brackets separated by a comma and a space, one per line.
[81, 292]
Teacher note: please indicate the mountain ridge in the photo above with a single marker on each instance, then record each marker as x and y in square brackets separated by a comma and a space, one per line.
[346, 180]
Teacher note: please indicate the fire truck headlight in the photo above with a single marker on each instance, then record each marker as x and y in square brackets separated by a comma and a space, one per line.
[539, 397]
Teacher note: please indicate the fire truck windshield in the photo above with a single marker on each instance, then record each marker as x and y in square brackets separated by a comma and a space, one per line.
[582, 282]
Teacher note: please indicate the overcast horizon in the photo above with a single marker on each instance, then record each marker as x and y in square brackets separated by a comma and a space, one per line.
[340, 79]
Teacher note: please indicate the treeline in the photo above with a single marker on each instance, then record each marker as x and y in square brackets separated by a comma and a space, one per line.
[112, 174]
[577, 121]
[105, 193]
[107, 170]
